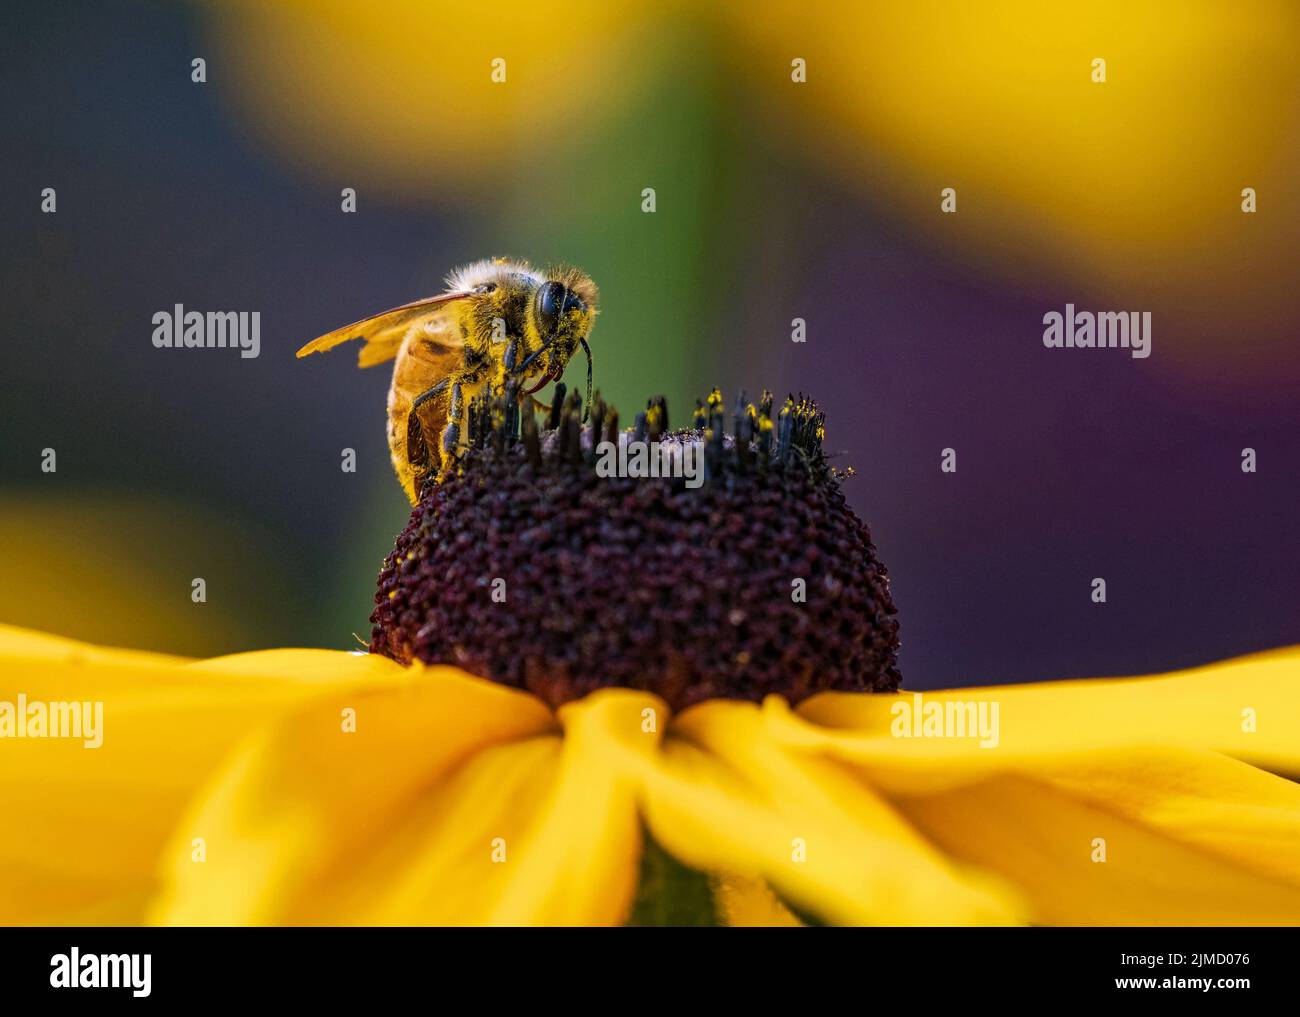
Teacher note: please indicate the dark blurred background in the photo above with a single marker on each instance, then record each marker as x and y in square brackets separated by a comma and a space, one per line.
[775, 199]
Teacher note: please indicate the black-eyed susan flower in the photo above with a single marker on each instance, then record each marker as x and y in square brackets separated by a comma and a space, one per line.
[644, 722]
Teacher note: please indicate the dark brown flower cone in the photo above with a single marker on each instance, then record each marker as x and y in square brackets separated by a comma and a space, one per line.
[528, 567]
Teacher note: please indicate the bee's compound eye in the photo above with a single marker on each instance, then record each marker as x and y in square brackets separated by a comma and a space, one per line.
[555, 299]
[550, 300]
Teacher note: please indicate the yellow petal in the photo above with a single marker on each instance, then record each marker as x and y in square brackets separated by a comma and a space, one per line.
[19, 644]
[1203, 799]
[84, 826]
[579, 865]
[1248, 708]
[292, 813]
[448, 856]
[724, 798]
[1050, 844]
[1126, 751]
[748, 902]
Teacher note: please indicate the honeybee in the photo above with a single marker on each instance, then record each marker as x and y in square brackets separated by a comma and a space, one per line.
[499, 320]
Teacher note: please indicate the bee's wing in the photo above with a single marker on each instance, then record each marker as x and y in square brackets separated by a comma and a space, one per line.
[384, 332]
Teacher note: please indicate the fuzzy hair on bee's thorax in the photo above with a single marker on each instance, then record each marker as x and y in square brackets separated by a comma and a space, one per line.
[501, 271]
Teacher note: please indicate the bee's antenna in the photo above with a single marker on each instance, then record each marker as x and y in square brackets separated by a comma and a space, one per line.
[587, 350]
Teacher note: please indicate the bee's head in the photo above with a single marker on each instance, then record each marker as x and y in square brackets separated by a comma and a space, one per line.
[564, 306]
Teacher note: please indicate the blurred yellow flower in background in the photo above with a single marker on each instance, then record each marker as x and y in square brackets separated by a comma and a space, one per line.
[427, 99]
[312, 786]
[1131, 185]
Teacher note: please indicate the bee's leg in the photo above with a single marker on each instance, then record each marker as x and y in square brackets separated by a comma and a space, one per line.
[528, 360]
[510, 366]
[509, 361]
[429, 393]
[522, 368]
[451, 433]
[417, 448]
